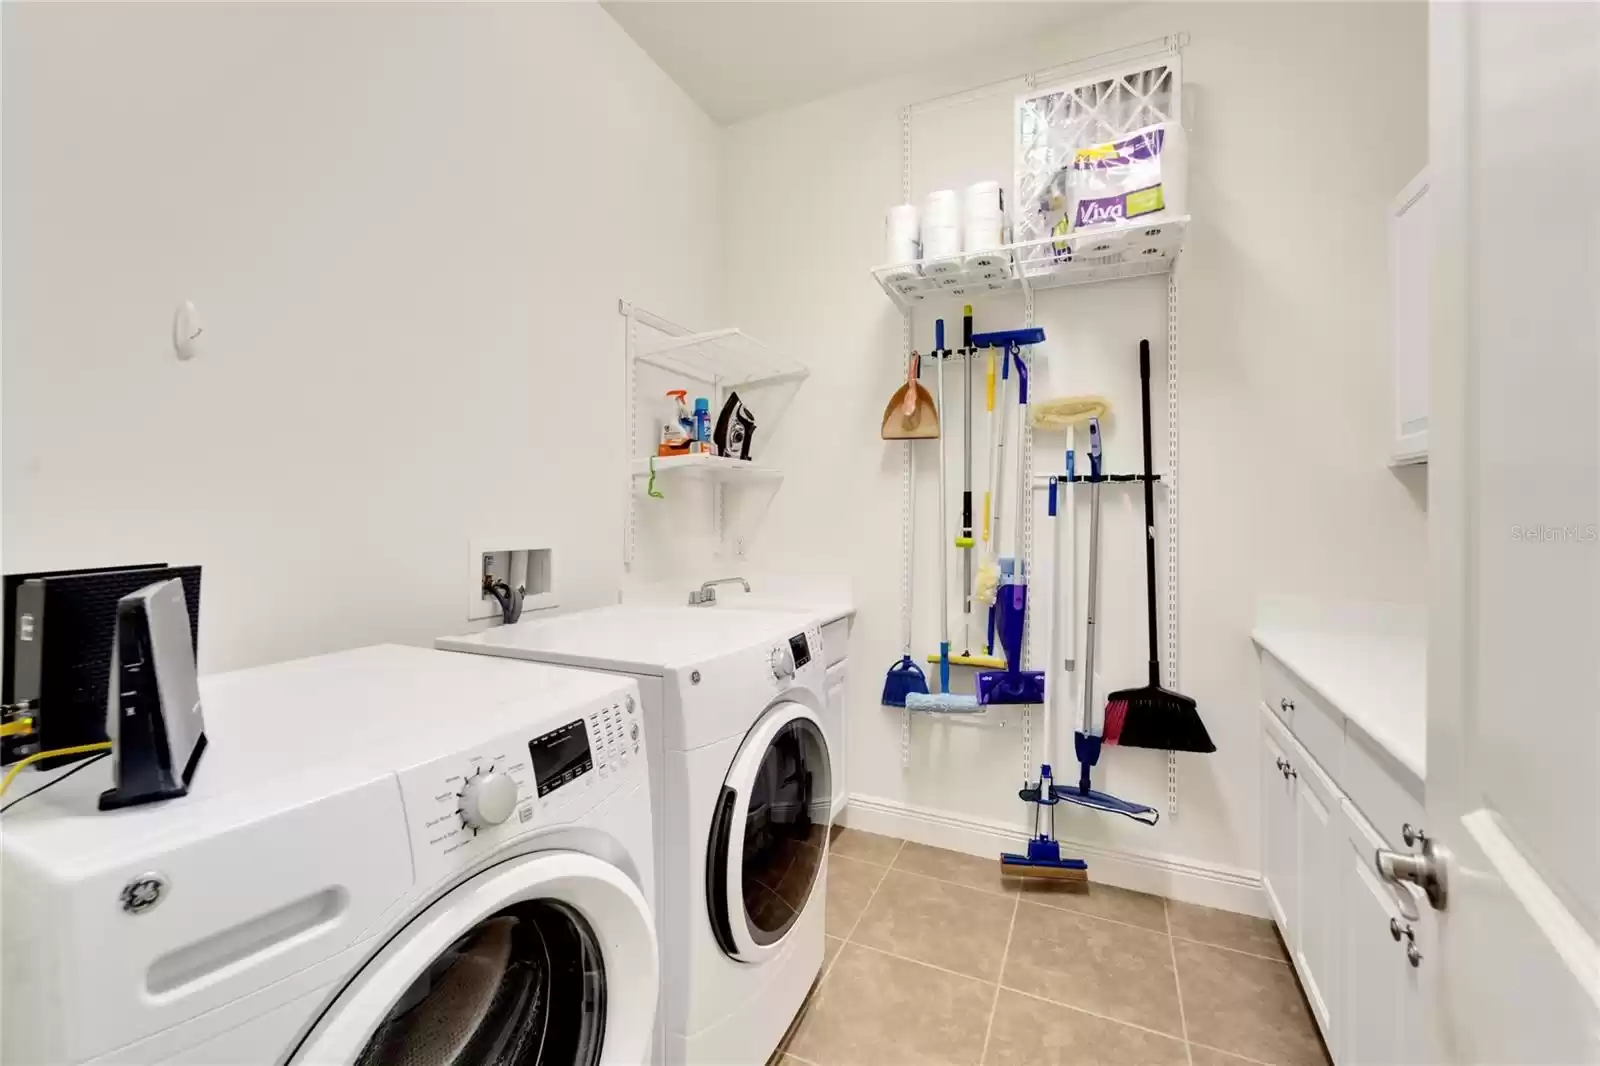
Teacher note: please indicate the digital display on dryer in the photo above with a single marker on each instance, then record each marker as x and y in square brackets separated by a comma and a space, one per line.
[801, 650]
[560, 755]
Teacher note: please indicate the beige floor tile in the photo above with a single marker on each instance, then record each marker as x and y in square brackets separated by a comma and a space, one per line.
[1106, 968]
[850, 885]
[958, 928]
[795, 888]
[969, 870]
[1250, 1006]
[830, 948]
[1225, 929]
[1102, 901]
[868, 847]
[1210, 1056]
[875, 1010]
[1031, 1032]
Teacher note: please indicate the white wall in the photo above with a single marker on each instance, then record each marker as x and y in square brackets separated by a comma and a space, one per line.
[1306, 119]
[406, 229]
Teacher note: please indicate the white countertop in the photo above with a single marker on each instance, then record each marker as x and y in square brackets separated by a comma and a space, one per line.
[1368, 661]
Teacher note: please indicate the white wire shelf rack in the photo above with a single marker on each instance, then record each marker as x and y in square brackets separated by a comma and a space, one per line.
[1127, 251]
[720, 468]
[724, 357]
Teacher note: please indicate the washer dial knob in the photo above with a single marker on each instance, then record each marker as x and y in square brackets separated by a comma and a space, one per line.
[488, 799]
[782, 660]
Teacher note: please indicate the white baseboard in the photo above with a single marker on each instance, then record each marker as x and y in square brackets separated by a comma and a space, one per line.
[1164, 875]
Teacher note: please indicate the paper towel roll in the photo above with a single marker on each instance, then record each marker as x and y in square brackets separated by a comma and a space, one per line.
[900, 231]
[983, 199]
[940, 241]
[942, 208]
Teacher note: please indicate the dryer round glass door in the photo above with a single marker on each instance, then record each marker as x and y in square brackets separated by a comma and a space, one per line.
[769, 832]
[547, 959]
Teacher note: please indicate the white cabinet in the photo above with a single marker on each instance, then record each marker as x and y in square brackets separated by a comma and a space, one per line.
[1277, 828]
[1408, 321]
[1316, 946]
[1386, 1017]
[1320, 881]
[1300, 850]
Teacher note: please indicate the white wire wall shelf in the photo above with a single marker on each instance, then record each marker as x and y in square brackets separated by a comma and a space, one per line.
[720, 468]
[1127, 251]
[725, 357]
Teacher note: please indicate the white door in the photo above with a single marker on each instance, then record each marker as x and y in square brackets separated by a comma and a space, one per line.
[769, 832]
[1514, 510]
[545, 959]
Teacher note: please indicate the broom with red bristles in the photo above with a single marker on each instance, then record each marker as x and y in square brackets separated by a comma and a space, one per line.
[1153, 717]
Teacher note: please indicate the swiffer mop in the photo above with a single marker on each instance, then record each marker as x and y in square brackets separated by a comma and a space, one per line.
[944, 700]
[1044, 850]
[1086, 743]
[1013, 685]
[1151, 716]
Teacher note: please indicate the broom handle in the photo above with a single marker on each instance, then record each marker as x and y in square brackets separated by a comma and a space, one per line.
[1149, 515]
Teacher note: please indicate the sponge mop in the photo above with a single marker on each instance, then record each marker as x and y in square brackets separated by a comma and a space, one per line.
[1067, 411]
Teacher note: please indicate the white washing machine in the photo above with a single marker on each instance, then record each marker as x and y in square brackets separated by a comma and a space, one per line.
[733, 703]
[388, 855]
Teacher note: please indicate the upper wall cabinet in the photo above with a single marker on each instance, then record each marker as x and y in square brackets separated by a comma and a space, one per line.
[1408, 316]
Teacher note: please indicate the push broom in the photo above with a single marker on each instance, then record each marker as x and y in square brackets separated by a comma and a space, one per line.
[1151, 716]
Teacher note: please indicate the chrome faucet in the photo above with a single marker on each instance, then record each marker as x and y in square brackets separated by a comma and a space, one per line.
[707, 593]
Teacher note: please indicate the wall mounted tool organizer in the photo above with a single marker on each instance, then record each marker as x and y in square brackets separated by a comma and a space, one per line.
[1100, 98]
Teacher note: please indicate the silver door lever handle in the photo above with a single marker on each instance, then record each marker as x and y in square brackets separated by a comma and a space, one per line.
[1425, 869]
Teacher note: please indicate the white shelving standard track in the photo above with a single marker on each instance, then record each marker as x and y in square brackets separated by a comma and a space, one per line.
[1128, 250]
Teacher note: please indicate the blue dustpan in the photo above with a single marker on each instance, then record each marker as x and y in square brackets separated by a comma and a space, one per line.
[903, 678]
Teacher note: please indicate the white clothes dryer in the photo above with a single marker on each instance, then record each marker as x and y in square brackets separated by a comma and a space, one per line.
[742, 773]
[387, 855]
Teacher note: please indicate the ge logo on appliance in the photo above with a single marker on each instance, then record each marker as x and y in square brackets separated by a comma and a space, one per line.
[143, 892]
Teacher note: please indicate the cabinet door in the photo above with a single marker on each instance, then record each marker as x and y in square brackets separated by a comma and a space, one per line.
[1277, 828]
[1373, 962]
[1318, 835]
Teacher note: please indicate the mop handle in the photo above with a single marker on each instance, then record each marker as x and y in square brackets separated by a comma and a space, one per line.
[1050, 686]
[1070, 577]
[1020, 566]
[1000, 455]
[944, 573]
[989, 407]
[1086, 714]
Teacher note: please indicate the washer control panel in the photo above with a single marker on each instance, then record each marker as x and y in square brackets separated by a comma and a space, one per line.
[793, 655]
[463, 806]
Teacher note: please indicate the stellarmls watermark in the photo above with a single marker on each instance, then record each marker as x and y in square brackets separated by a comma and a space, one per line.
[1546, 534]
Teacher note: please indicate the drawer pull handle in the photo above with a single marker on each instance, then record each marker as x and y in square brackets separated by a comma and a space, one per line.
[1397, 931]
[1282, 766]
[1291, 772]
[1412, 835]
[1286, 705]
[1414, 955]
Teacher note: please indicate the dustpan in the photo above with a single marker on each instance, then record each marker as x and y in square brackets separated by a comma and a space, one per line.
[911, 414]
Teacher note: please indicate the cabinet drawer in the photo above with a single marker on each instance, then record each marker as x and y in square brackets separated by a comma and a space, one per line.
[1374, 788]
[1315, 725]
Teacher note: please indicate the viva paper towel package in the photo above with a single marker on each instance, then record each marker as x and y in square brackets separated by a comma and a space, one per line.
[1116, 181]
